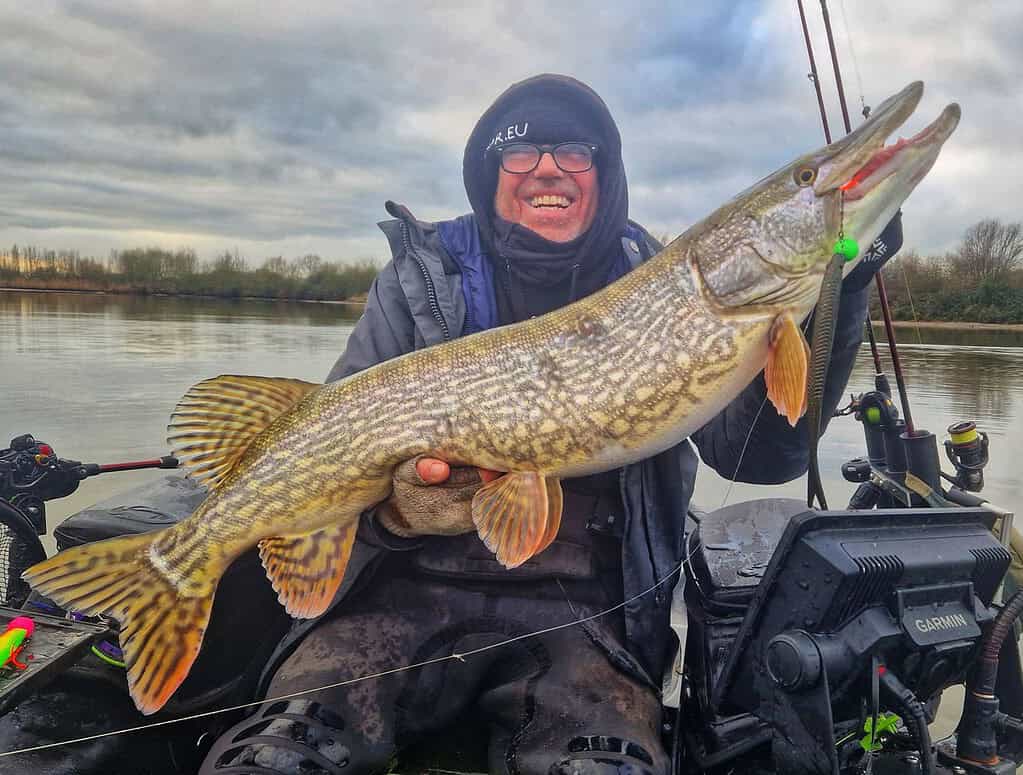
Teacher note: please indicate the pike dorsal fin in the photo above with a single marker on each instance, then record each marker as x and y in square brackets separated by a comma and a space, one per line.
[217, 419]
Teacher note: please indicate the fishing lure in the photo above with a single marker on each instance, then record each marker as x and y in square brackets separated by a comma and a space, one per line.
[18, 631]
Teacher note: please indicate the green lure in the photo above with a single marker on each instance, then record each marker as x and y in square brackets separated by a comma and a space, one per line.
[847, 248]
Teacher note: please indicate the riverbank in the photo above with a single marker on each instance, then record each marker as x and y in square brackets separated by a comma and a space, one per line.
[951, 325]
[357, 301]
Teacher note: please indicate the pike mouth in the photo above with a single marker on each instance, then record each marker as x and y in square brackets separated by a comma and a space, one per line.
[891, 158]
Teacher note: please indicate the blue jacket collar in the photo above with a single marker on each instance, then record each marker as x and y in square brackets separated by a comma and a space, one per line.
[461, 239]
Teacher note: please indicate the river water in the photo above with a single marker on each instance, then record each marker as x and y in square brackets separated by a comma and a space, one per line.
[97, 376]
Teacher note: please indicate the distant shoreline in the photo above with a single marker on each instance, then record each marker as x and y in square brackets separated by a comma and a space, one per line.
[951, 325]
[354, 302]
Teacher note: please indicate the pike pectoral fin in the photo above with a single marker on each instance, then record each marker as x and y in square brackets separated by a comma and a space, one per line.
[161, 628]
[554, 504]
[306, 571]
[787, 365]
[511, 516]
[217, 419]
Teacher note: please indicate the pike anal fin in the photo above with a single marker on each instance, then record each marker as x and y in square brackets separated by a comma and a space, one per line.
[161, 628]
[307, 570]
[787, 368]
[517, 515]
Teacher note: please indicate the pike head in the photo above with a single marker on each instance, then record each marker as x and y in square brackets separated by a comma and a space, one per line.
[769, 246]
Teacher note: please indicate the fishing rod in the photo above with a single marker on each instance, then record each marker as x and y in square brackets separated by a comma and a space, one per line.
[824, 329]
[815, 487]
[31, 473]
[882, 293]
[813, 73]
[906, 453]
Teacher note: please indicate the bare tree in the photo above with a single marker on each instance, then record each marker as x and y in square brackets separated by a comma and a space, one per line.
[228, 262]
[990, 250]
[276, 265]
[309, 264]
[181, 263]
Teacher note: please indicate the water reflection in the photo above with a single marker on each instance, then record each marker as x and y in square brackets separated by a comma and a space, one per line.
[23, 304]
[977, 375]
[98, 375]
[966, 337]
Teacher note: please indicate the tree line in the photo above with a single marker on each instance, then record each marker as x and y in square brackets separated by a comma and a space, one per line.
[979, 281]
[156, 270]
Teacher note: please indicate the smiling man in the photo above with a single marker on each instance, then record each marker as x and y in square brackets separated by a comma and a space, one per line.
[552, 190]
[549, 224]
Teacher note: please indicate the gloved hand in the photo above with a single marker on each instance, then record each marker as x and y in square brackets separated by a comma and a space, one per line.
[431, 498]
[875, 257]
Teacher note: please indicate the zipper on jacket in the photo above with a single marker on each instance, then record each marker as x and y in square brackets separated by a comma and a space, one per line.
[470, 319]
[574, 283]
[514, 288]
[659, 598]
[431, 290]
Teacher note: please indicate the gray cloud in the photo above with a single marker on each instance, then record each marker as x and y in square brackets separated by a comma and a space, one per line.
[244, 125]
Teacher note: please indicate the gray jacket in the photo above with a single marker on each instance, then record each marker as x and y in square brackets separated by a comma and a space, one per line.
[417, 301]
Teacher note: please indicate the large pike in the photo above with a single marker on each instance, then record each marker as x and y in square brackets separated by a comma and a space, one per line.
[608, 380]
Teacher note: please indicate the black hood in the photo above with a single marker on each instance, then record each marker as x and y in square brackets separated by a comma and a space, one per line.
[535, 274]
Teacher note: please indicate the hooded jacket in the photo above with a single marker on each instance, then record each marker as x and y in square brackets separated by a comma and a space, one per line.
[440, 284]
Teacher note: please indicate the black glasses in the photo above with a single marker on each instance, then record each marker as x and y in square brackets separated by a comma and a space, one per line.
[520, 158]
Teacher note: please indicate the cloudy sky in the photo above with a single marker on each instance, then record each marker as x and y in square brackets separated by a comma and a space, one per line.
[234, 124]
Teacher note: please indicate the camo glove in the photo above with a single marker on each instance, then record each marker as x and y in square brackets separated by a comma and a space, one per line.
[417, 507]
[877, 255]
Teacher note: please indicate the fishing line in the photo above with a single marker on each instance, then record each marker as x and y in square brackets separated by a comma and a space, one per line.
[912, 306]
[742, 452]
[856, 64]
[749, 435]
[460, 656]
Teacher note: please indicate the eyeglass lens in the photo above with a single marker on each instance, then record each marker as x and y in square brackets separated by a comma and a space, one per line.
[524, 157]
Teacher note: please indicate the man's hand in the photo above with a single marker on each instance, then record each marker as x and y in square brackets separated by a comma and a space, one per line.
[432, 498]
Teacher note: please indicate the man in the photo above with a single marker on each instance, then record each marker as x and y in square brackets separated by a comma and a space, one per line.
[549, 224]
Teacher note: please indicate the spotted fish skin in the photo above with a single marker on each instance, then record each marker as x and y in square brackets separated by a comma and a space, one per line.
[530, 397]
[608, 380]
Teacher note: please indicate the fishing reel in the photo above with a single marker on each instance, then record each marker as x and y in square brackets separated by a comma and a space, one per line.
[32, 473]
[967, 450]
[903, 468]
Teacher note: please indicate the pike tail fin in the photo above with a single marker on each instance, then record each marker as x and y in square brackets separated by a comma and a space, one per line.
[161, 628]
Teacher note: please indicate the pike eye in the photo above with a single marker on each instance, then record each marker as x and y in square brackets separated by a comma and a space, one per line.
[806, 176]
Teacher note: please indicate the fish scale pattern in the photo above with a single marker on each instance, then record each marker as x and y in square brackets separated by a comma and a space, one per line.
[591, 386]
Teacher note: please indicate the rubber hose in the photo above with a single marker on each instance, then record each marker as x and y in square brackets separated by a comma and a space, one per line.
[914, 711]
[983, 680]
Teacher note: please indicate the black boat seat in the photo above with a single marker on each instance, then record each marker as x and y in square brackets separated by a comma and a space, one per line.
[730, 549]
[147, 507]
